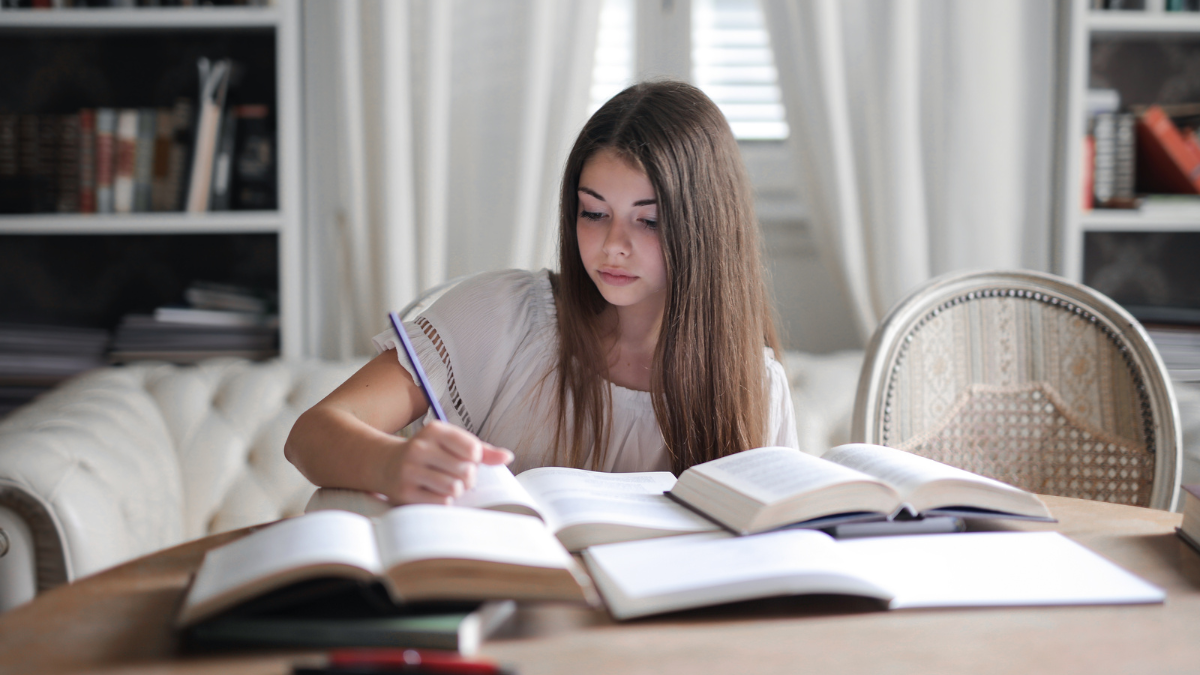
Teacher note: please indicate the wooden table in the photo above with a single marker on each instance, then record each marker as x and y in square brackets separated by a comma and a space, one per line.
[120, 621]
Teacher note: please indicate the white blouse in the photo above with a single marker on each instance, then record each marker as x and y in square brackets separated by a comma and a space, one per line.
[486, 346]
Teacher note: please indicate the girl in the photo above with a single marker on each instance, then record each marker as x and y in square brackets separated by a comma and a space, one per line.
[652, 348]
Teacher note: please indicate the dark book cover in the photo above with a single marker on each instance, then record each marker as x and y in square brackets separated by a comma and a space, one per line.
[68, 164]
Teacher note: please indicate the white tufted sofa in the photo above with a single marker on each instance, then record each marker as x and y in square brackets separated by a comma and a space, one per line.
[123, 461]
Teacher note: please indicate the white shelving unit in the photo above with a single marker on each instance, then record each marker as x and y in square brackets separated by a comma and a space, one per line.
[283, 19]
[1084, 26]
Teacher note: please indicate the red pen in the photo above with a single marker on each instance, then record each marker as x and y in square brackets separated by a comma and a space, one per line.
[385, 659]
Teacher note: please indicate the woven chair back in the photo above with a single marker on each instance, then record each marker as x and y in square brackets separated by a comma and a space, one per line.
[1029, 379]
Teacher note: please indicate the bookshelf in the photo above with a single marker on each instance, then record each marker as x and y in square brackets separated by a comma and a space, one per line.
[1142, 53]
[75, 58]
[1142, 256]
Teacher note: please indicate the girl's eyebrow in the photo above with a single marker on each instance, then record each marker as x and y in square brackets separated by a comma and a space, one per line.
[592, 193]
[640, 202]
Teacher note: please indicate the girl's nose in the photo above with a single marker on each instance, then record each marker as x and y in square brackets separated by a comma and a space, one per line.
[617, 241]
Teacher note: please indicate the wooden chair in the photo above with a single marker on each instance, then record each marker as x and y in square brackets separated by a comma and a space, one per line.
[1027, 378]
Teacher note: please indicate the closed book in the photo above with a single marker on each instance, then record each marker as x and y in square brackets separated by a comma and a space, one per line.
[87, 160]
[254, 172]
[160, 173]
[125, 146]
[45, 167]
[143, 162]
[214, 81]
[1166, 161]
[12, 192]
[68, 164]
[178, 161]
[1104, 138]
[222, 177]
[458, 627]
[106, 144]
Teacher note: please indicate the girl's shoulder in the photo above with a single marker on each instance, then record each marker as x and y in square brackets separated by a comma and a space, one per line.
[498, 292]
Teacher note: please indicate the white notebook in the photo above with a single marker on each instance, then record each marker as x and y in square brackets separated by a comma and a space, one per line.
[977, 569]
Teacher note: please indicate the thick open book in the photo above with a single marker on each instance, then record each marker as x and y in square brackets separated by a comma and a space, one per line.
[976, 569]
[582, 508]
[768, 488]
[417, 552]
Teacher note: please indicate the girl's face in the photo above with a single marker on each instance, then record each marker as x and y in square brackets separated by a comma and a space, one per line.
[617, 228]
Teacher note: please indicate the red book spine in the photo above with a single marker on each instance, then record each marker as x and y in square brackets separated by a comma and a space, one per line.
[106, 132]
[87, 161]
[1166, 162]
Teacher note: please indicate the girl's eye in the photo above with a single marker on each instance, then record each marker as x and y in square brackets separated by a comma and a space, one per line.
[650, 224]
[591, 215]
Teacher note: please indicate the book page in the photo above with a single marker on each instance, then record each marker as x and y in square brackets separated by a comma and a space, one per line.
[771, 474]
[575, 496]
[987, 569]
[427, 532]
[319, 539]
[659, 575]
[903, 470]
[497, 487]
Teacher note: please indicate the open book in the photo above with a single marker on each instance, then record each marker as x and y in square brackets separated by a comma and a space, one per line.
[768, 488]
[977, 569]
[418, 552]
[582, 508]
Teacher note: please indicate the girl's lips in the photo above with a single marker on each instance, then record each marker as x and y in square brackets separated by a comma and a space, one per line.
[617, 278]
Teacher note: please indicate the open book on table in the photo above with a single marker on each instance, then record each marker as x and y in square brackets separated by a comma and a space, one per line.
[768, 488]
[418, 553]
[975, 569]
[582, 508]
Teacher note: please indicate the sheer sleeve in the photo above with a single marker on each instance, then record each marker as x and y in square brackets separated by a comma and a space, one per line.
[471, 339]
[781, 429]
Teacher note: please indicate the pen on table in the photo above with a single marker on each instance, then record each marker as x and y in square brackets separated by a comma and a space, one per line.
[396, 660]
[422, 378]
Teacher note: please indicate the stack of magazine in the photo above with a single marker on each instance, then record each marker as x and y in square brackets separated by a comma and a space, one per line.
[35, 357]
[215, 320]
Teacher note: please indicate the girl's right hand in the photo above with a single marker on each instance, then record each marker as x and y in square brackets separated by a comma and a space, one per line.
[437, 465]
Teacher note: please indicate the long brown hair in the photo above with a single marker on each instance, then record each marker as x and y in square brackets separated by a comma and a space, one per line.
[709, 383]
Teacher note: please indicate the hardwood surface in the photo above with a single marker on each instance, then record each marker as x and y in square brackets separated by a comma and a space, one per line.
[120, 621]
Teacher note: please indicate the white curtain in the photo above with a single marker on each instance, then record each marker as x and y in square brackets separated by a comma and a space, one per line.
[436, 135]
[922, 132]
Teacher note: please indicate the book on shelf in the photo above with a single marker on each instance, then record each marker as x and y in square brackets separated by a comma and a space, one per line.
[222, 178]
[972, 569]
[580, 508]
[143, 163]
[142, 336]
[214, 83]
[333, 614]
[87, 160]
[160, 171]
[768, 488]
[182, 133]
[192, 316]
[1167, 160]
[222, 296]
[418, 553]
[43, 355]
[254, 175]
[1189, 527]
[125, 154]
[67, 173]
[106, 143]
[1113, 148]
[12, 193]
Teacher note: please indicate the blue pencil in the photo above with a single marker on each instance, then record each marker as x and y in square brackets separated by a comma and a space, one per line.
[422, 378]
